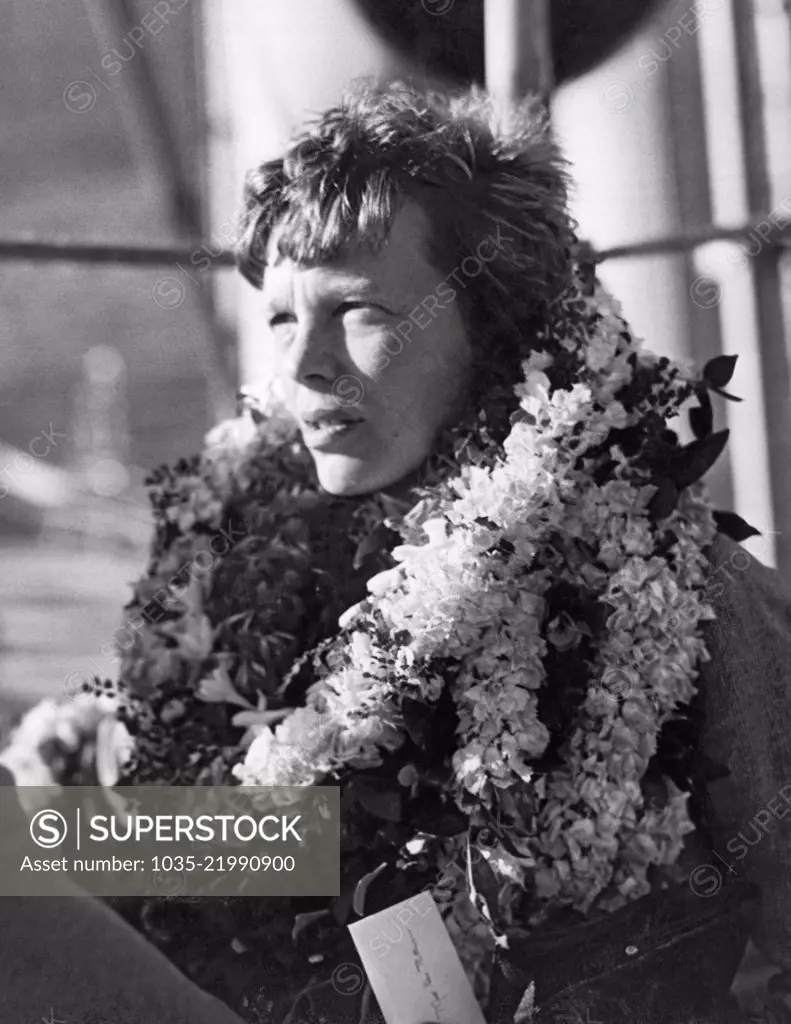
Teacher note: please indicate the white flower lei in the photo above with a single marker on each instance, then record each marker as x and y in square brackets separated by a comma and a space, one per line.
[454, 597]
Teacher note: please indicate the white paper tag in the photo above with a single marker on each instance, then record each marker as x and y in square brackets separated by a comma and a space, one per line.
[413, 967]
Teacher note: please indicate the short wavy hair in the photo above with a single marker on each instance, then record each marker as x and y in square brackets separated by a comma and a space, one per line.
[473, 167]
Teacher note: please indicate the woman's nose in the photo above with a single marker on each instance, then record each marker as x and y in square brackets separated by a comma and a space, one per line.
[312, 356]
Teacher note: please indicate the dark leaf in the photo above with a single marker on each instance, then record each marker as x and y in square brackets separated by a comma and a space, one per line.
[435, 817]
[341, 906]
[655, 791]
[603, 472]
[599, 613]
[449, 824]
[724, 394]
[494, 834]
[374, 542]
[701, 419]
[666, 541]
[521, 416]
[361, 889]
[439, 774]
[379, 800]
[696, 459]
[717, 372]
[734, 526]
[484, 883]
[303, 921]
[664, 501]
[418, 719]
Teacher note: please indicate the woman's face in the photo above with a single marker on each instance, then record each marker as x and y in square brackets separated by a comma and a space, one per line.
[372, 355]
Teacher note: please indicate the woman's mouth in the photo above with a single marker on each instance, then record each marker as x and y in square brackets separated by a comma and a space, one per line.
[324, 432]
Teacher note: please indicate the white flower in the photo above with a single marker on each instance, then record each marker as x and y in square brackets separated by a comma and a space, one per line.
[535, 386]
[537, 360]
[218, 689]
[256, 721]
[230, 437]
[384, 581]
[602, 348]
[259, 717]
[436, 530]
[361, 648]
[258, 767]
[114, 747]
[353, 613]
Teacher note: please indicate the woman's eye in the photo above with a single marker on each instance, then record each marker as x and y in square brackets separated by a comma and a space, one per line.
[278, 319]
[366, 307]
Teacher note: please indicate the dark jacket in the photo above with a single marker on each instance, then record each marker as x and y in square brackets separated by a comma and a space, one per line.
[747, 691]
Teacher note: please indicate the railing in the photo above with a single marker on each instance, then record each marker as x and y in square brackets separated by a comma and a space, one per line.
[164, 254]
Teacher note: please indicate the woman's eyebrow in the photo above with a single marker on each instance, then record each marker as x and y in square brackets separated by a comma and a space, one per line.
[361, 289]
[365, 291]
[361, 286]
[374, 297]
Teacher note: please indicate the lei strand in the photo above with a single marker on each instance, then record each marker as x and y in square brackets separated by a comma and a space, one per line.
[472, 593]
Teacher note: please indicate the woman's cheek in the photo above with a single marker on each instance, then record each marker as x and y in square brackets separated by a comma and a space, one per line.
[374, 355]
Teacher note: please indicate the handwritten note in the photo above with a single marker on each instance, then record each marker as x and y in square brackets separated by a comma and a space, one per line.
[413, 967]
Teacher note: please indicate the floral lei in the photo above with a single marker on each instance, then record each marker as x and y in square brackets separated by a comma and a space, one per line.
[518, 657]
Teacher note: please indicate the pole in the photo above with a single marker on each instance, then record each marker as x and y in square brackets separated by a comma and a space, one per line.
[145, 118]
[518, 49]
[766, 281]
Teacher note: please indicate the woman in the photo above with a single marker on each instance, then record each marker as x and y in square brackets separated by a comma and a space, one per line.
[514, 695]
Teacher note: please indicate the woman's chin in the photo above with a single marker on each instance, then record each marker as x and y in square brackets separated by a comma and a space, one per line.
[342, 476]
[345, 477]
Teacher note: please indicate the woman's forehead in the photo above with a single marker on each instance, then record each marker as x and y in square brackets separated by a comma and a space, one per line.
[400, 266]
[332, 279]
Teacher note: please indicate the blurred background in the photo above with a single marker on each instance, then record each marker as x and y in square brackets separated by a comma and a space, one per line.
[129, 125]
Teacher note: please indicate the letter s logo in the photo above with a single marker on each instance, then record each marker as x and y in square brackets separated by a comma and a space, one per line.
[48, 828]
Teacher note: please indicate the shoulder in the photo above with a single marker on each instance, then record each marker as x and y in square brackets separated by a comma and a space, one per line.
[752, 604]
[746, 690]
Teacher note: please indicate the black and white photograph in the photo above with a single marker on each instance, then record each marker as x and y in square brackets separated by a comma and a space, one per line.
[395, 512]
